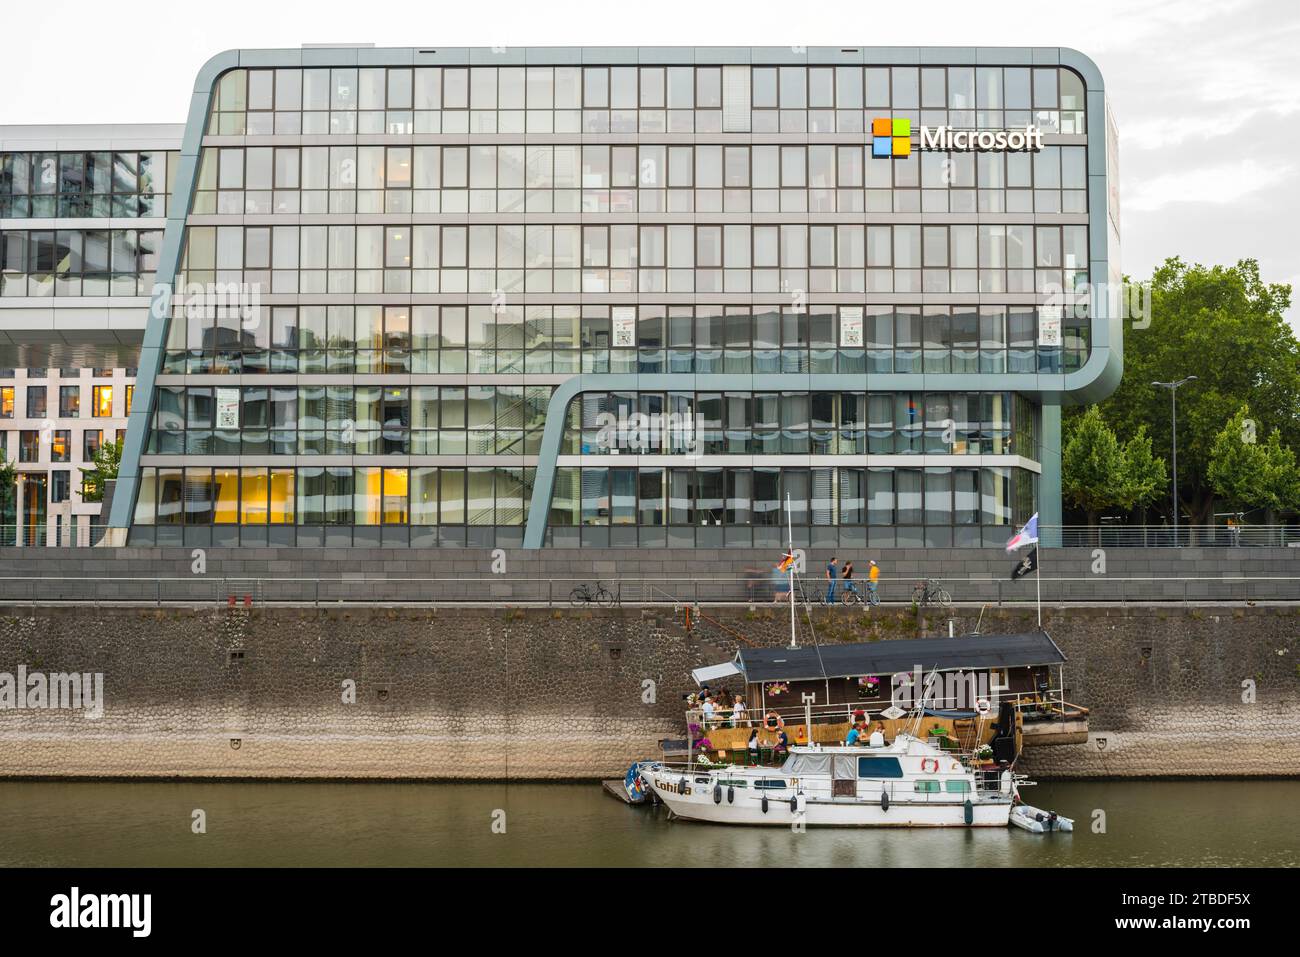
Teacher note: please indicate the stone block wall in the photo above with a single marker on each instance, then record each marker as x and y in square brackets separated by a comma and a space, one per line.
[532, 694]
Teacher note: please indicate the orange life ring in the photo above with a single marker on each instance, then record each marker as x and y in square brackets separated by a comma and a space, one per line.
[767, 721]
[925, 761]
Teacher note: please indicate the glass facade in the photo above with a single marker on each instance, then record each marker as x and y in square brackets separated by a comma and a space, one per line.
[408, 298]
[78, 262]
[86, 185]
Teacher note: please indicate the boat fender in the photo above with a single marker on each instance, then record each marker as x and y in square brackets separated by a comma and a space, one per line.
[764, 803]
[884, 801]
[794, 804]
[731, 794]
[969, 812]
[717, 794]
[681, 786]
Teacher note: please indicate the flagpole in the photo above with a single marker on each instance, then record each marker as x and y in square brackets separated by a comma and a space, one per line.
[1038, 583]
[790, 525]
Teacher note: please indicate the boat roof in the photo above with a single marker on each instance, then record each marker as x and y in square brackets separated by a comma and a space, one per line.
[899, 655]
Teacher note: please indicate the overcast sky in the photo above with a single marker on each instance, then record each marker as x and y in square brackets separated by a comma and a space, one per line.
[1205, 94]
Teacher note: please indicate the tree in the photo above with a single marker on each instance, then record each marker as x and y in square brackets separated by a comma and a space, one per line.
[1145, 475]
[1099, 473]
[1248, 474]
[1092, 463]
[1224, 325]
[107, 459]
[8, 498]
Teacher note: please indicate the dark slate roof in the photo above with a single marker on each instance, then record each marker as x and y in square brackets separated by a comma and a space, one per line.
[890, 657]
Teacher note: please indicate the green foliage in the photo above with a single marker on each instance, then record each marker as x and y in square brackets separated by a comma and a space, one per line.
[1246, 473]
[1098, 472]
[106, 462]
[1145, 476]
[1092, 463]
[1226, 326]
[8, 481]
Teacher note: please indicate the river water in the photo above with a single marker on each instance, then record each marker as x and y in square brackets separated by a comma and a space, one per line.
[1118, 823]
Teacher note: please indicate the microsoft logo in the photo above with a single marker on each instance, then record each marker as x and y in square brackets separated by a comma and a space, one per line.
[891, 137]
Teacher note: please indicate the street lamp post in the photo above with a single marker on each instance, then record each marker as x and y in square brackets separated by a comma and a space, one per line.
[1173, 437]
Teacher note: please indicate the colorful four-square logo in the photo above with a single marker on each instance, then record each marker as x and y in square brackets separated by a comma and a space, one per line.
[891, 137]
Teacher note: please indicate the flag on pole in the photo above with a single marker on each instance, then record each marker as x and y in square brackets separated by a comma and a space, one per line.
[1026, 536]
[787, 560]
[1026, 565]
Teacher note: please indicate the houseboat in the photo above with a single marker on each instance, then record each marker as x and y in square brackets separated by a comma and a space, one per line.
[920, 732]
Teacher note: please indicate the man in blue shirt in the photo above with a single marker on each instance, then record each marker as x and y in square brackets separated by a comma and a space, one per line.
[830, 581]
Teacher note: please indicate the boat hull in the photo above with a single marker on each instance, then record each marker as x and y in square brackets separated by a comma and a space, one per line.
[747, 808]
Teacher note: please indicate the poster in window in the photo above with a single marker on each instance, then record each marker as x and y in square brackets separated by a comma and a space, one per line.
[624, 327]
[851, 326]
[227, 408]
[1049, 327]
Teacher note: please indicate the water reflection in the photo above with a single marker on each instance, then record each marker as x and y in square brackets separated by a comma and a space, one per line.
[1147, 823]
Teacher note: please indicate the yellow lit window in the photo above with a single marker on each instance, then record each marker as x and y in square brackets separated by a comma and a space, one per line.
[282, 496]
[7, 402]
[130, 395]
[394, 496]
[227, 498]
[101, 401]
[254, 486]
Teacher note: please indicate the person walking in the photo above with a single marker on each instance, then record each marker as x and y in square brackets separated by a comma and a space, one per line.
[873, 577]
[831, 573]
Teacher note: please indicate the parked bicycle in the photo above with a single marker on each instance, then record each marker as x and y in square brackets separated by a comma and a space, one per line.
[846, 594]
[931, 591]
[586, 595]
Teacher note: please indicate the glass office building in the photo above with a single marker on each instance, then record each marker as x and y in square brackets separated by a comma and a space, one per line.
[625, 297]
[82, 214]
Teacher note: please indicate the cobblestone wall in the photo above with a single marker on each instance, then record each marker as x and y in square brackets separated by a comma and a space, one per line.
[538, 693]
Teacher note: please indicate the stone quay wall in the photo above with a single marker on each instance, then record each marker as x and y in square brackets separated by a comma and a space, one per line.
[537, 693]
[1106, 574]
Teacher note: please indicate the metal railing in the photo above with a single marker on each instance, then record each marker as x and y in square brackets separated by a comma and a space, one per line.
[1164, 536]
[57, 534]
[364, 589]
[1069, 536]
